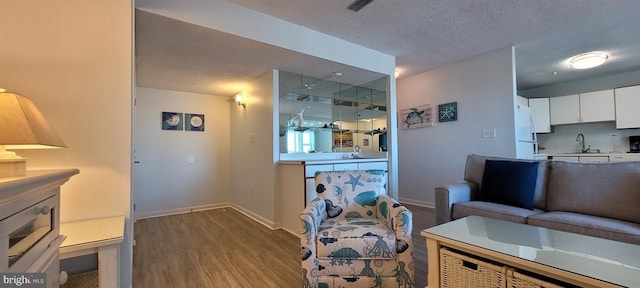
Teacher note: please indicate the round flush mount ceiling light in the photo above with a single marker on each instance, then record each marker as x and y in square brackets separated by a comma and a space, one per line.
[588, 60]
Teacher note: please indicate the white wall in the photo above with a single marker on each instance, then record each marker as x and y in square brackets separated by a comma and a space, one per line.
[601, 135]
[73, 58]
[180, 170]
[483, 86]
[253, 148]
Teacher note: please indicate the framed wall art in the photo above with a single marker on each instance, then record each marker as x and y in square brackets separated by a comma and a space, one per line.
[448, 112]
[416, 117]
[193, 122]
[172, 121]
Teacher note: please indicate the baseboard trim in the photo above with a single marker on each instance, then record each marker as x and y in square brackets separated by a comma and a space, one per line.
[264, 221]
[255, 217]
[154, 214]
[418, 203]
[297, 234]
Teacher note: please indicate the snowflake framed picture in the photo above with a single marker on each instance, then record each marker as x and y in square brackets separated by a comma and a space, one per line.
[448, 112]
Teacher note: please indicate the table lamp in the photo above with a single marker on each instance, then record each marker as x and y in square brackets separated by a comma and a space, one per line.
[22, 126]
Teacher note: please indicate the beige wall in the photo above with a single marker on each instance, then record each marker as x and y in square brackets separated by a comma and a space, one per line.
[73, 59]
[483, 86]
[180, 170]
[253, 167]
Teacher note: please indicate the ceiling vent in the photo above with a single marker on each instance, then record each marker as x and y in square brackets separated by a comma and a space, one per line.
[358, 4]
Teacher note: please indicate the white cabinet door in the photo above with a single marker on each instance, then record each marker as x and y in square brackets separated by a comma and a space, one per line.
[616, 158]
[597, 106]
[540, 114]
[310, 170]
[372, 166]
[345, 166]
[624, 158]
[627, 107]
[522, 101]
[594, 159]
[564, 109]
[566, 158]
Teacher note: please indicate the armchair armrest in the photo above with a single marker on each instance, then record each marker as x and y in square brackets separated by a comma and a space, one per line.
[312, 216]
[400, 220]
[447, 195]
[396, 216]
[310, 220]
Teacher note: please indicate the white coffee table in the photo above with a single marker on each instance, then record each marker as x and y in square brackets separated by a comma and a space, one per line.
[572, 258]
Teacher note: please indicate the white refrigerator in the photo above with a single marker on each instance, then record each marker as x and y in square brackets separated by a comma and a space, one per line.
[526, 139]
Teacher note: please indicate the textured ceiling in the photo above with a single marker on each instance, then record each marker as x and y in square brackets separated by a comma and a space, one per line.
[423, 35]
[179, 56]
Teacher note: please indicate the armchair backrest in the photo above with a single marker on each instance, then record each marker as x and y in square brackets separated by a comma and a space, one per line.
[351, 193]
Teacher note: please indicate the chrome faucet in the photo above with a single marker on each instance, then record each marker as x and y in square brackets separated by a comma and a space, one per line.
[580, 138]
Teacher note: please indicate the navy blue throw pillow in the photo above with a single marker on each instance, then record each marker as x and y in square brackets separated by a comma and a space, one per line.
[509, 182]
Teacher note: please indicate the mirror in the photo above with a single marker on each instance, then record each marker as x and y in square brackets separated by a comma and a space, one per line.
[325, 115]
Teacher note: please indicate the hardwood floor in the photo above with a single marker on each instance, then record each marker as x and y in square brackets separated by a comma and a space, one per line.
[423, 218]
[224, 248]
[213, 248]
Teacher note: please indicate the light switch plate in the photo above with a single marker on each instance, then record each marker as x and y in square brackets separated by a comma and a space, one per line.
[489, 133]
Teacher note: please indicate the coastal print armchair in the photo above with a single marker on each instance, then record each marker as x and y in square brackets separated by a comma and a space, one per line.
[354, 235]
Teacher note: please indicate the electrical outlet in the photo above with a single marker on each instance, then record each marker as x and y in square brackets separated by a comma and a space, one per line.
[489, 133]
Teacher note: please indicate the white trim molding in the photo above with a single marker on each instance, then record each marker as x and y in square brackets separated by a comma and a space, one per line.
[417, 203]
[153, 214]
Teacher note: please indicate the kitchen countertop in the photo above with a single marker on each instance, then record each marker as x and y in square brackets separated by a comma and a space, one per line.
[333, 161]
[574, 154]
[333, 157]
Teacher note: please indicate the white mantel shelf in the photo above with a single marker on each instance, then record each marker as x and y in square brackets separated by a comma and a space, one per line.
[22, 186]
[33, 177]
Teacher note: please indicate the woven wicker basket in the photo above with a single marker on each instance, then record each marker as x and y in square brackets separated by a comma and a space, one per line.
[460, 271]
[519, 280]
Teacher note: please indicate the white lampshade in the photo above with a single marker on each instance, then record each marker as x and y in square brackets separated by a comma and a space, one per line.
[22, 126]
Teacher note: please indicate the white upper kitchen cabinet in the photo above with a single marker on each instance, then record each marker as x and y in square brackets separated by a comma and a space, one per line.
[597, 106]
[627, 103]
[564, 109]
[540, 114]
